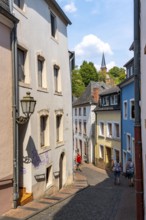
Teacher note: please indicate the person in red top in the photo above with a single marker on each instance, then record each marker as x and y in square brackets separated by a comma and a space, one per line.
[78, 161]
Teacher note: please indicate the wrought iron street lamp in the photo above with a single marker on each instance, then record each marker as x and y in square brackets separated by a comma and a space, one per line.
[28, 105]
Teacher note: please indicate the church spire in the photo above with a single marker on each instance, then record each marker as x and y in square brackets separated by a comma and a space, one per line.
[103, 64]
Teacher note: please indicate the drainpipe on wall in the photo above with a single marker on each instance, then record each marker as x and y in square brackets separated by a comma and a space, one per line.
[15, 114]
[138, 141]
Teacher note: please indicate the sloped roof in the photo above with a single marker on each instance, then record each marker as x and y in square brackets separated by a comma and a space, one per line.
[86, 97]
[5, 4]
[111, 90]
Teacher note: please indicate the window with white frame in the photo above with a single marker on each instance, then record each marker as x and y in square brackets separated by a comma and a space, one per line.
[128, 72]
[21, 64]
[101, 151]
[114, 99]
[101, 128]
[109, 129]
[132, 109]
[76, 143]
[128, 142]
[57, 79]
[75, 111]
[84, 126]
[53, 25]
[59, 127]
[116, 130]
[125, 109]
[76, 126]
[49, 176]
[80, 111]
[105, 101]
[80, 127]
[41, 72]
[44, 129]
[84, 111]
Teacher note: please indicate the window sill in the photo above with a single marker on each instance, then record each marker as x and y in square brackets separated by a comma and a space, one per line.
[59, 144]
[101, 136]
[42, 90]
[58, 93]
[44, 149]
[54, 39]
[25, 85]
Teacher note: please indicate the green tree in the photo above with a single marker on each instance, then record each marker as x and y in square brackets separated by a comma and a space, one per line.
[117, 74]
[88, 72]
[78, 86]
[102, 76]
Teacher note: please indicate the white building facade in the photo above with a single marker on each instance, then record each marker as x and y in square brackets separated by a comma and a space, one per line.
[84, 121]
[45, 142]
[83, 118]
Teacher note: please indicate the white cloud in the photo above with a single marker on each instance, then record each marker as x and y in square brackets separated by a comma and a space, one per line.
[111, 65]
[91, 45]
[70, 8]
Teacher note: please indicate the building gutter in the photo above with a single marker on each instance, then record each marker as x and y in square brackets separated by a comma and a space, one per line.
[137, 126]
[15, 112]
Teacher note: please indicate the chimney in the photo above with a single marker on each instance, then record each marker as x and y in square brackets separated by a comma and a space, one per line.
[95, 94]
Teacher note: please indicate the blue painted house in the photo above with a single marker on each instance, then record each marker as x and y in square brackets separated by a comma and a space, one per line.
[127, 114]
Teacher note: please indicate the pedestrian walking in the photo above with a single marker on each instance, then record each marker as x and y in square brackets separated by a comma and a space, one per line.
[130, 171]
[78, 161]
[117, 168]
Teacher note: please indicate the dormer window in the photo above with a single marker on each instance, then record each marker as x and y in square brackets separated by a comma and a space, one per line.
[114, 99]
[105, 101]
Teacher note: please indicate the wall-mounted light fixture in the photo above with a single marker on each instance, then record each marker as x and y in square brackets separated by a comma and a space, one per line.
[28, 105]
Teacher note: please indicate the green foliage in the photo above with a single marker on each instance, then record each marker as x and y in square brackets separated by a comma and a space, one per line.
[102, 76]
[88, 72]
[78, 86]
[117, 74]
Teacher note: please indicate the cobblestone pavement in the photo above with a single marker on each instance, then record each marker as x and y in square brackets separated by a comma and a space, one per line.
[102, 200]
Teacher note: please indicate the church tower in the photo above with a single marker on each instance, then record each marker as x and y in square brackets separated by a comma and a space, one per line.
[103, 64]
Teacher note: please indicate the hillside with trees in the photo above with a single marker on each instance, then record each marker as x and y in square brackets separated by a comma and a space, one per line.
[88, 72]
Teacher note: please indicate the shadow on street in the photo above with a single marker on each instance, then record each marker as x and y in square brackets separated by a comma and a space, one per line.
[102, 200]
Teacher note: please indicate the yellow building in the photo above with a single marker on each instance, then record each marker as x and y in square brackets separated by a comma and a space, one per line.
[108, 127]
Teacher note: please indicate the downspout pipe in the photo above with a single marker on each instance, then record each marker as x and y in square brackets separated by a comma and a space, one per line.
[15, 113]
[137, 126]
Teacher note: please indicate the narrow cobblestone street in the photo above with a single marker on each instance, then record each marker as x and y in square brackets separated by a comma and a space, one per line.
[102, 200]
[93, 196]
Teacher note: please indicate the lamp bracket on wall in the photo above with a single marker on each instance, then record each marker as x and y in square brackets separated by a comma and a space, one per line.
[22, 120]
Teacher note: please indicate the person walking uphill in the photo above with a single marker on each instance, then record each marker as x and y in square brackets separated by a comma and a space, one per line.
[78, 161]
[130, 171]
[117, 171]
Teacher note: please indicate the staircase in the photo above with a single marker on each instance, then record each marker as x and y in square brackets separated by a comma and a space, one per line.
[24, 196]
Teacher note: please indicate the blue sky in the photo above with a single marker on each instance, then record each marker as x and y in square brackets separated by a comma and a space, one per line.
[100, 26]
